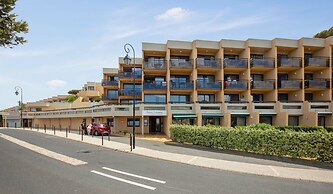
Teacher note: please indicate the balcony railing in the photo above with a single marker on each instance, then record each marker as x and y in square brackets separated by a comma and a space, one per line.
[109, 97]
[208, 63]
[181, 63]
[201, 84]
[236, 84]
[130, 92]
[317, 83]
[182, 85]
[289, 62]
[317, 61]
[156, 64]
[123, 74]
[235, 63]
[267, 62]
[265, 84]
[290, 84]
[155, 85]
[109, 82]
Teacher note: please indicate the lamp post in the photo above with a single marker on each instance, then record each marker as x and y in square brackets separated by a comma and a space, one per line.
[17, 88]
[127, 61]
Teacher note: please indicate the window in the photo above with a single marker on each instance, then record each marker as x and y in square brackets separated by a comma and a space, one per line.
[130, 86]
[256, 56]
[112, 93]
[238, 121]
[321, 121]
[113, 78]
[155, 98]
[309, 97]
[206, 97]
[283, 76]
[231, 56]
[179, 98]
[179, 79]
[266, 119]
[308, 76]
[283, 97]
[210, 121]
[206, 78]
[154, 79]
[258, 97]
[91, 88]
[231, 77]
[231, 97]
[257, 77]
[183, 121]
[130, 122]
[130, 101]
[293, 121]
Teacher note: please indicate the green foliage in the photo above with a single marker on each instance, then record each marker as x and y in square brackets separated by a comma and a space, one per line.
[71, 98]
[73, 92]
[9, 27]
[324, 33]
[316, 145]
[301, 128]
[329, 128]
[98, 98]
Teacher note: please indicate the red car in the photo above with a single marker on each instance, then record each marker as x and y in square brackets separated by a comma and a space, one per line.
[100, 128]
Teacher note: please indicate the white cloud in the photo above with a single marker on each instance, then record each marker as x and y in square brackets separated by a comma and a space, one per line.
[175, 14]
[56, 83]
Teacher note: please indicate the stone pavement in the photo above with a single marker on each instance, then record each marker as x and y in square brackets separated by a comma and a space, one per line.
[266, 168]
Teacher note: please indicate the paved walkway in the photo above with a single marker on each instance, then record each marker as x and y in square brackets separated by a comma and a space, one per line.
[222, 161]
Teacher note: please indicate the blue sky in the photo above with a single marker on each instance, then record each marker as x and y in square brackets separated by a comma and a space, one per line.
[69, 42]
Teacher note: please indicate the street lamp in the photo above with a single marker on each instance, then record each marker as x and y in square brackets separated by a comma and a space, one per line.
[17, 88]
[127, 61]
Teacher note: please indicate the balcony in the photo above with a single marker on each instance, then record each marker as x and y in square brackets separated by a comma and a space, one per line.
[290, 63]
[208, 63]
[290, 84]
[209, 85]
[182, 85]
[292, 107]
[263, 85]
[316, 63]
[181, 63]
[235, 85]
[262, 63]
[109, 82]
[130, 92]
[109, 97]
[317, 84]
[155, 64]
[235, 63]
[129, 75]
[155, 85]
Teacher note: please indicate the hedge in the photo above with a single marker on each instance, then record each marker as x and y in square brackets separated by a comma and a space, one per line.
[301, 128]
[329, 128]
[316, 145]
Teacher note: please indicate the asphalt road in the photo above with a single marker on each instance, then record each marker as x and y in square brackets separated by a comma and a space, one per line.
[25, 171]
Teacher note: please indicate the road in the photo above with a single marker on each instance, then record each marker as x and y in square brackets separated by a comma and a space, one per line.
[109, 171]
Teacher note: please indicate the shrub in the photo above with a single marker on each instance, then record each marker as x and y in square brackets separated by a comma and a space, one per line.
[297, 144]
[329, 128]
[301, 128]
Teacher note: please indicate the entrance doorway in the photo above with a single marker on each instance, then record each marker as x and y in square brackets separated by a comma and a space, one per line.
[155, 124]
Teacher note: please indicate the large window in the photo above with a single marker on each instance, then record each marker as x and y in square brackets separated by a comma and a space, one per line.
[155, 98]
[210, 121]
[206, 97]
[206, 78]
[91, 88]
[188, 121]
[179, 79]
[130, 122]
[179, 98]
[231, 97]
[238, 121]
[130, 86]
[112, 93]
[293, 121]
[283, 97]
[266, 119]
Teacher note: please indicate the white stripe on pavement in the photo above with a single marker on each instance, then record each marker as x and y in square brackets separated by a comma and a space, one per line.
[45, 152]
[134, 175]
[124, 180]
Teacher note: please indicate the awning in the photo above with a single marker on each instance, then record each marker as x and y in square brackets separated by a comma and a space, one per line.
[324, 113]
[180, 116]
[240, 114]
[267, 114]
[217, 115]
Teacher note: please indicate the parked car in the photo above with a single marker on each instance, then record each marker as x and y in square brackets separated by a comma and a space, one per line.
[100, 128]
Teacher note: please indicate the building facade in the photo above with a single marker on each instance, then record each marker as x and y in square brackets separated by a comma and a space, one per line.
[227, 82]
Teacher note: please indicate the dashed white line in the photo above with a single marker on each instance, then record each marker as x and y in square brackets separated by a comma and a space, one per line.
[124, 180]
[134, 175]
[45, 152]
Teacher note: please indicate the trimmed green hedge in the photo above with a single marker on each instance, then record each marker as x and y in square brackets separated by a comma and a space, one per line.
[301, 128]
[329, 128]
[316, 145]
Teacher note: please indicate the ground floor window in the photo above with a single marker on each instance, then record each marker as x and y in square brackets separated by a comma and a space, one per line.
[321, 121]
[109, 122]
[293, 121]
[266, 119]
[210, 121]
[238, 121]
[130, 122]
[188, 121]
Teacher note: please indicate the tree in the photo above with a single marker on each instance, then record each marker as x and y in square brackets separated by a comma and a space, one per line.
[9, 27]
[73, 92]
[71, 98]
[324, 33]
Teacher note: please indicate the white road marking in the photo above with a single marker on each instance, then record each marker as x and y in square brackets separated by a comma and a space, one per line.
[134, 175]
[45, 152]
[192, 159]
[124, 180]
[275, 171]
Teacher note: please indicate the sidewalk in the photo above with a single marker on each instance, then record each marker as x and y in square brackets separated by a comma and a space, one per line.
[217, 160]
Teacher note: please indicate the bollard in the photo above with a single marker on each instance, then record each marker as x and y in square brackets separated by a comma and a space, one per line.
[66, 132]
[44, 128]
[131, 140]
[81, 135]
[54, 130]
[102, 139]
[109, 135]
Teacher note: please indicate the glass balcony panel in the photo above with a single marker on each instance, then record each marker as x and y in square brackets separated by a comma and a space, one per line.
[130, 92]
[268, 63]
[317, 61]
[290, 62]
[320, 83]
[181, 63]
[293, 84]
[109, 97]
[182, 85]
[235, 63]
[155, 64]
[208, 63]
[137, 74]
[155, 86]
[208, 85]
[266, 84]
[109, 83]
[236, 84]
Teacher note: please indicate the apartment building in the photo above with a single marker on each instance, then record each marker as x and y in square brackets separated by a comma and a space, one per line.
[226, 82]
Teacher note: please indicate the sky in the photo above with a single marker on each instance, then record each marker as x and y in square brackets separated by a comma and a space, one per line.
[70, 42]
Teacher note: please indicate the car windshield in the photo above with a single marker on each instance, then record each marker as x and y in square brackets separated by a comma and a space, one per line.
[103, 124]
